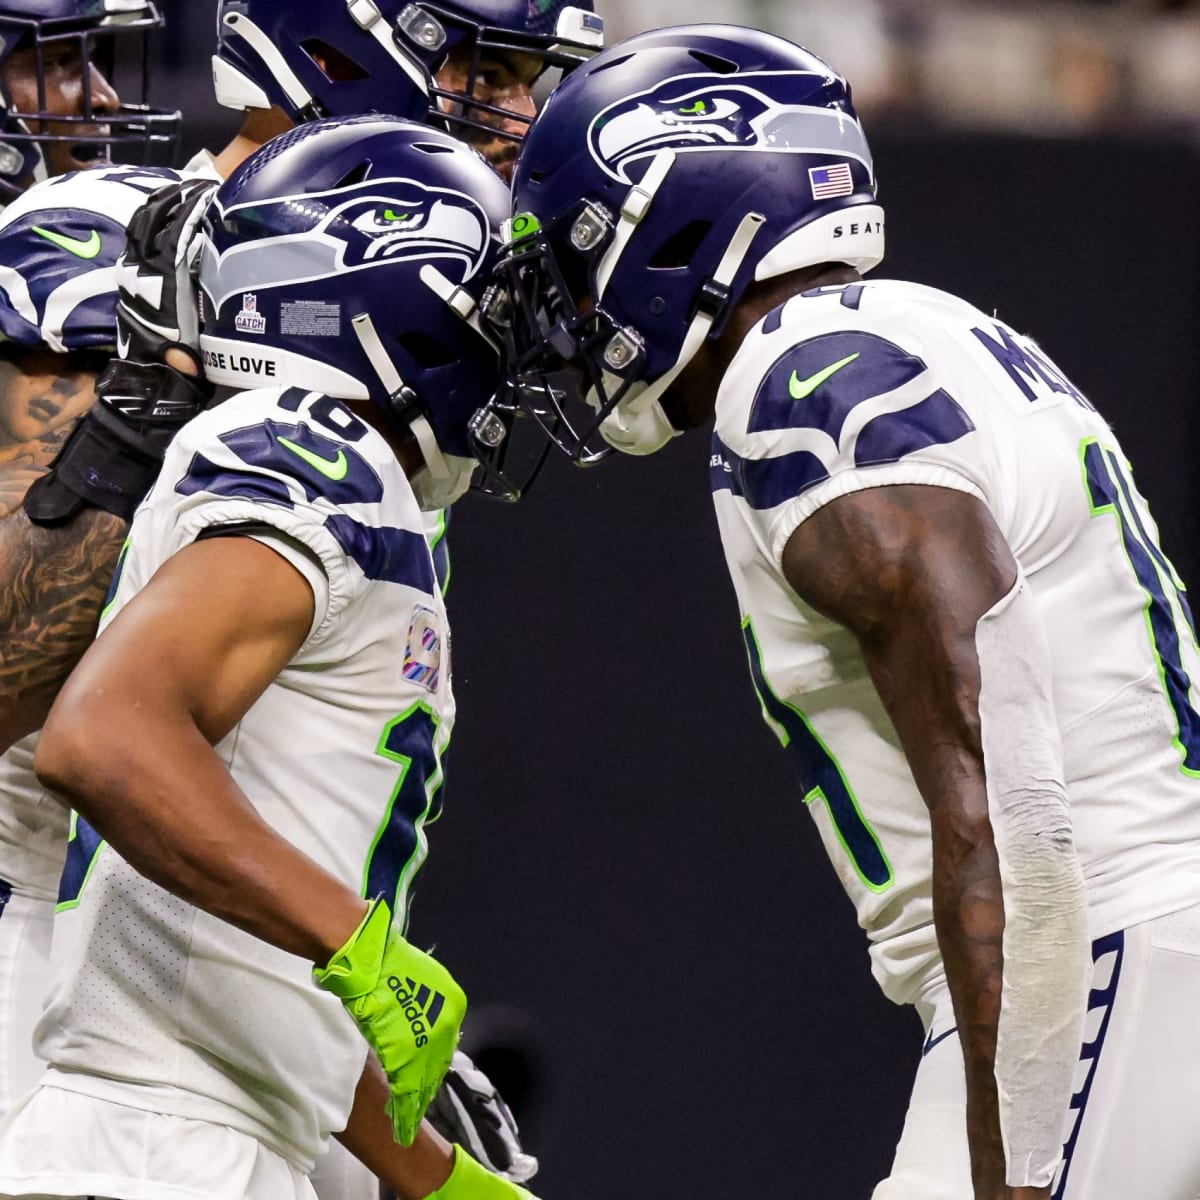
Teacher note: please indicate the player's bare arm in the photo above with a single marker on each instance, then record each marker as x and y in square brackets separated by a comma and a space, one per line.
[910, 571]
[130, 743]
[411, 1172]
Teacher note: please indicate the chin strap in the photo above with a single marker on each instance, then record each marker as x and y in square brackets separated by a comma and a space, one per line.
[367, 16]
[638, 425]
[380, 360]
[633, 208]
[459, 300]
[403, 400]
[272, 59]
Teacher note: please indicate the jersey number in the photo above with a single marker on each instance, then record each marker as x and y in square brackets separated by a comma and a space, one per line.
[821, 776]
[1110, 490]
[399, 848]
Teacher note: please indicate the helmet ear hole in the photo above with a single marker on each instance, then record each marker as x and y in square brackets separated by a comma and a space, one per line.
[336, 65]
[427, 352]
[680, 248]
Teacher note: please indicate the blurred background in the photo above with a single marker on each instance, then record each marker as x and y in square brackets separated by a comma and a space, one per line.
[665, 976]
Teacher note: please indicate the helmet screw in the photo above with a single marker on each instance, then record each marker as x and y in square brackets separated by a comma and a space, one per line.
[488, 428]
[658, 305]
[623, 350]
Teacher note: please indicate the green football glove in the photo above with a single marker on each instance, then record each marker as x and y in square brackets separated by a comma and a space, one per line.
[407, 1006]
[470, 1181]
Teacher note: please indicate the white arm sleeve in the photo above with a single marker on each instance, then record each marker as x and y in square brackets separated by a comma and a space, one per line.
[1046, 950]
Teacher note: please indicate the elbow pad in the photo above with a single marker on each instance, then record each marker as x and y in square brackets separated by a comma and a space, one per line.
[1047, 958]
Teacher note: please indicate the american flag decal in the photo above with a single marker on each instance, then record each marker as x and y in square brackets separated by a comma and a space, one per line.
[827, 182]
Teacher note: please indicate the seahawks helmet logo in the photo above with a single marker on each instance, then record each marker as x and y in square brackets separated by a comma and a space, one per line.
[349, 229]
[696, 113]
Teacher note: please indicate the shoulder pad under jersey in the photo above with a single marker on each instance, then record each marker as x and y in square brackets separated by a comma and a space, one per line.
[59, 243]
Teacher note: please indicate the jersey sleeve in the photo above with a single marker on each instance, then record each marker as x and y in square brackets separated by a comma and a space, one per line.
[836, 413]
[59, 245]
[302, 559]
[313, 497]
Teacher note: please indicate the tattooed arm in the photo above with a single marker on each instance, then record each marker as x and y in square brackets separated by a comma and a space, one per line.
[925, 565]
[54, 585]
[42, 397]
[52, 581]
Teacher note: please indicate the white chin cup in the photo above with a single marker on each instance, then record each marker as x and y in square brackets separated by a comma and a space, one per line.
[434, 492]
[638, 424]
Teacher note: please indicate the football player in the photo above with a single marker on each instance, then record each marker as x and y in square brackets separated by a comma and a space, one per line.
[956, 613]
[282, 759]
[61, 113]
[280, 62]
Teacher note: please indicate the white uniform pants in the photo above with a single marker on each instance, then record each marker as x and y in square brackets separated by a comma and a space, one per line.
[62, 1144]
[1133, 1129]
[340, 1176]
[24, 980]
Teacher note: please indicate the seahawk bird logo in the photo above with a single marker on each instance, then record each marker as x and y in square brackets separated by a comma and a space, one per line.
[695, 113]
[332, 233]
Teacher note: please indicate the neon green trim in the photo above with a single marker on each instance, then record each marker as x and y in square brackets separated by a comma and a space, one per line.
[74, 833]
[116, 576]
[432, 786]
[799, 388]
[436, 541]
[81, 249]
[332, 468]
[1113, 463]
[818, 793]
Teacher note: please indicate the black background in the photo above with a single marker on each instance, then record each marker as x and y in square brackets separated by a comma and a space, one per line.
[625, 858]
[625, 879]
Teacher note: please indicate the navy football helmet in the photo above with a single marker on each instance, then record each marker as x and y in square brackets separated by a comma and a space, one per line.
[660, 180]
[83, 36]
[348, 256]
[317, 58]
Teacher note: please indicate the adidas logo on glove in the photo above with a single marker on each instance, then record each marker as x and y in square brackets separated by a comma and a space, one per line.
[419, 1005]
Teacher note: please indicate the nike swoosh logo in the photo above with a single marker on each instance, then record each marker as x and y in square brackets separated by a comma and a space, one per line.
[799, 388]
[81, 249]
[932, 1041]
[331, 468]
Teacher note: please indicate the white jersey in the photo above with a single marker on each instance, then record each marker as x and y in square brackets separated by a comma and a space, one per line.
[158, 1005]
[878, 383]
[59, 245]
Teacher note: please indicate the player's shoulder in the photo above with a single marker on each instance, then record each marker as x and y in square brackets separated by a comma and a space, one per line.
[293, 447]
[304, 464]
[822, 354]
[59, 243]
[108, 194]
[870, 314]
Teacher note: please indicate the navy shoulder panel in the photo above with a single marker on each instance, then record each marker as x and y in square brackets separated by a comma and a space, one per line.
[59, 243]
